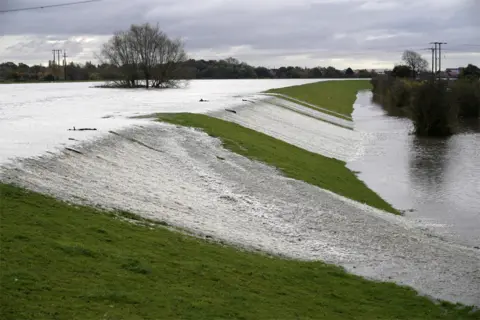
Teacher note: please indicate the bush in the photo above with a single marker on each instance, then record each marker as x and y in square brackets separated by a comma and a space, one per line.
[392, 94]
[400, 94]
[466, 95]
[433, 110]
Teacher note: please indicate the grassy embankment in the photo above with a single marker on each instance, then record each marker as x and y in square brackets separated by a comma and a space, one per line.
[294, 162]
[338, 96]
[64, 262]
[327, 173]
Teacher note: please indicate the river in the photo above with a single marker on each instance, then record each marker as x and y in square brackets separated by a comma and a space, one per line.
[436, 181]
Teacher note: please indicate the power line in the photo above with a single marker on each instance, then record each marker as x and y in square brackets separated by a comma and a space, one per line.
[49, 6]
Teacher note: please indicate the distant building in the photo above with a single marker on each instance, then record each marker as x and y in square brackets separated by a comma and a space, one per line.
[379, 71]
[453, 72]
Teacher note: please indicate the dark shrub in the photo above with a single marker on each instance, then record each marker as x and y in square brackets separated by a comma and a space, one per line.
[466, 95]
[432, 110]
[399, 94]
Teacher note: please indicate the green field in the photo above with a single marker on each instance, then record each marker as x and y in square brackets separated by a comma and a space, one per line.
[59, 261]
[337, 96]
[294, 162]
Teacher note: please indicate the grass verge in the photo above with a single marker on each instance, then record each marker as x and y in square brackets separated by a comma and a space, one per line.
[327, 173]
[60, 261]
[338, 96]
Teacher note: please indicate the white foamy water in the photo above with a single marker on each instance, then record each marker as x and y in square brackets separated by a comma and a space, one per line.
[173, 174]
[299, 126]
[177, 175]
[34, 118]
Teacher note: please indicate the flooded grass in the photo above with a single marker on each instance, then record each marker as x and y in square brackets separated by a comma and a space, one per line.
[327, 173]
[67, 262]
[337, 96]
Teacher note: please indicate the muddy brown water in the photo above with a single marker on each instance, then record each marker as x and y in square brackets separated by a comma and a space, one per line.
[436, 181]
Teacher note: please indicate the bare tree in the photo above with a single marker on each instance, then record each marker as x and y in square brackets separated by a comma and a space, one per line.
[146, 53]
[415, 61]
[170, 55]
[118, 51]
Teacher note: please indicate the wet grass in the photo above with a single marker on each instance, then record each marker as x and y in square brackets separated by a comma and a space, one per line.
[338, 96]
[327, 173]
[60, 261]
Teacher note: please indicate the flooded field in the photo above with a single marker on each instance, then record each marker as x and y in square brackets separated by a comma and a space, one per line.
[35, 118]
[437, 181]
[176, 175]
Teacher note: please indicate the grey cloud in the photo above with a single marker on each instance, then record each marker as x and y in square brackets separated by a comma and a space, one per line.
[308, 26]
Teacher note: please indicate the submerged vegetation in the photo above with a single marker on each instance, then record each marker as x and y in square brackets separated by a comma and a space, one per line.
[60, 261]
[327, 173]
[338, 96]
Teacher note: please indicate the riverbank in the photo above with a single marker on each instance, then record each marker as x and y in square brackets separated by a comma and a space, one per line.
[431, 180]
[77, 260]
[326, 173]
[65, 260]
[185, 178]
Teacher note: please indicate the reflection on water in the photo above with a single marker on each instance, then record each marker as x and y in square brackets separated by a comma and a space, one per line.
[436, 181]
[427, 164]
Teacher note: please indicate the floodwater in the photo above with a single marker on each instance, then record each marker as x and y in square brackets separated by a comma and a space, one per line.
[35, 118]
[437, 181]
[186, 178]
[299, 126]
[177, 175]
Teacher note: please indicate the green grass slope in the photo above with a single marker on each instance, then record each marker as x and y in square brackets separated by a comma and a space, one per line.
[294, 162]
[337, 96]
[59, 261]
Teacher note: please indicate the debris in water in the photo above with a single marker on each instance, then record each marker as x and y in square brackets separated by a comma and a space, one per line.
[73, 150]
[83, 129]
[228, 198]
[230, 110]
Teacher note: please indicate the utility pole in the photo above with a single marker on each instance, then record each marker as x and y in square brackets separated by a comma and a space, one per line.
[433, 61]
[65, 65]
[440, 56]
[435, 55]
[439, 69]
[53, 64]
[54, 67]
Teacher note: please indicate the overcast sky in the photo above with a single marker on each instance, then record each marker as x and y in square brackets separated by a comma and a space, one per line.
[342, 33]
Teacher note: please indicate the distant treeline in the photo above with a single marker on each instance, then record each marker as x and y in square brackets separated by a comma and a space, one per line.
[229, 68]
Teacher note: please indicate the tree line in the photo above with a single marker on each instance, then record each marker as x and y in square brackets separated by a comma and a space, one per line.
[145, 56]
[228, 68]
